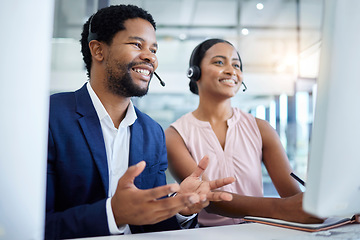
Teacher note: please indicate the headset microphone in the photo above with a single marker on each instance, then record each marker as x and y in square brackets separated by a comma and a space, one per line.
[245, 88]
[161, 81]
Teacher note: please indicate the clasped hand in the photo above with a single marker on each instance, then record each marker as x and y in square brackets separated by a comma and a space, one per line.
[134, 206]
[196, 184]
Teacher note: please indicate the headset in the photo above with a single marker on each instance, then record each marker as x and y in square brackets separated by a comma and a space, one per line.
[194, 71]
[91, 35]
[94, 36]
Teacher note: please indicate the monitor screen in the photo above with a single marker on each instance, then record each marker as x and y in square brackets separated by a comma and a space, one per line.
[333, 178]
[24, 96]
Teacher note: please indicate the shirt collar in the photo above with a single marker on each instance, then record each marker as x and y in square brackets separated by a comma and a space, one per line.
[130, 116]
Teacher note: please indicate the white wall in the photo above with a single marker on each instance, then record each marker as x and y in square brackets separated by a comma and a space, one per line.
[26, 31]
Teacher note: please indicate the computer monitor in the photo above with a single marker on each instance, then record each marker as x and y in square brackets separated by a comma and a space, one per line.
[24, 95]
[333, 178]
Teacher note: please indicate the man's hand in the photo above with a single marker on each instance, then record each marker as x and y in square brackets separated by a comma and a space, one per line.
[131, 205]
[203, 187]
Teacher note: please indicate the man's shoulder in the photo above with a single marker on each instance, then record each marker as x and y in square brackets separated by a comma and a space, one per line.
[60, 102]
[61, 96]
[146, 121]
[66, 99]
[143, 116]
[63, 105]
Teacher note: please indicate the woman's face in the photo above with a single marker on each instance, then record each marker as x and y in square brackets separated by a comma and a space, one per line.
[220, 71]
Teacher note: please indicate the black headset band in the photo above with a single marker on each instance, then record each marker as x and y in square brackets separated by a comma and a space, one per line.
[91, 35]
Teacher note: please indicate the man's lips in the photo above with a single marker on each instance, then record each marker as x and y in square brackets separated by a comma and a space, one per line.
[142, 71]
[146, 69]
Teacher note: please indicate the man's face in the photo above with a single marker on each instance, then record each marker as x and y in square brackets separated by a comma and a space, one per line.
[131, 60]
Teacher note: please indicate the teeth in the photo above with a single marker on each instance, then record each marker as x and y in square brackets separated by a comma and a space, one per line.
[142, 71]
[228, 80]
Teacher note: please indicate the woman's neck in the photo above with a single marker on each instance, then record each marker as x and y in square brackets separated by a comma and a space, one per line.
[213, 111]
[216, 113]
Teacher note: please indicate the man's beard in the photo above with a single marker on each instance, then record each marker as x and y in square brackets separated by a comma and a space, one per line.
[120, 82]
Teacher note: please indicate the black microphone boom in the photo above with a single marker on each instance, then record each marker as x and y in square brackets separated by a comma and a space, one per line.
[161, 81]
[245, 88]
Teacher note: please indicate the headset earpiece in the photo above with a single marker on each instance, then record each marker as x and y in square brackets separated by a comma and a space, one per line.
[91, 35]
[194, 73]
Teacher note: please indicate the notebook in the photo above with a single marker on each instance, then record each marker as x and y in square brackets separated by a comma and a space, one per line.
[329, 223]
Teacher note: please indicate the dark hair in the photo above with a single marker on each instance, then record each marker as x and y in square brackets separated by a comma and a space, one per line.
[105, 23]
[198, 54]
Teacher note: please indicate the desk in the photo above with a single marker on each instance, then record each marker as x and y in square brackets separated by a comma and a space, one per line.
[249, 231]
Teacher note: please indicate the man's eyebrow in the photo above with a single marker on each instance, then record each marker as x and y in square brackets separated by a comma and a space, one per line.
[142, 40]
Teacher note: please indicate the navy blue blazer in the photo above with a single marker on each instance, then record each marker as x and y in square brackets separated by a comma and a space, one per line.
[77, 172]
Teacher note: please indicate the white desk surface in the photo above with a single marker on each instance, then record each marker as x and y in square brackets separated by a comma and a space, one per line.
[250, 231]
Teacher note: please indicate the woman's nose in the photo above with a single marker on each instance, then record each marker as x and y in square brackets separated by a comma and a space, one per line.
[230, 70]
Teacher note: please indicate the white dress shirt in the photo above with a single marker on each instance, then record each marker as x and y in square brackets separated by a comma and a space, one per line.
[117, 145]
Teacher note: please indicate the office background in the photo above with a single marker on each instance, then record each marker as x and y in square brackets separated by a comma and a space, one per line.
[279, 42]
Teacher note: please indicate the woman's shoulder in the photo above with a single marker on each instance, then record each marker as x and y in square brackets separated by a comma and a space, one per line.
[247, 121]
[245, 117]
[184, 119]
[240, 115]
[188, 120]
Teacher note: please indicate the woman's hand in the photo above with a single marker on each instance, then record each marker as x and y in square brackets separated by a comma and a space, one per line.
[195, 183]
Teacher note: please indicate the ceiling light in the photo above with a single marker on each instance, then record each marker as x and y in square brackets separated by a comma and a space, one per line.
[244, 31]
[182, 36]
[259, 6]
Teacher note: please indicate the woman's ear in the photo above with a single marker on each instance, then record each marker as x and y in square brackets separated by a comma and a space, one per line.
[96, 49]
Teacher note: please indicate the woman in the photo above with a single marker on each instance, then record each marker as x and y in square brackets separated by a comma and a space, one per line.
[236, 143]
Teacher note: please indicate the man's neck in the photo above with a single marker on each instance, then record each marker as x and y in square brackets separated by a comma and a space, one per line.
[115, 105]
[116, 109]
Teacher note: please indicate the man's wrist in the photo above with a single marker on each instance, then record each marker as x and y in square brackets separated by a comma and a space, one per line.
[186, 222]
[113, 228]
[173, 194]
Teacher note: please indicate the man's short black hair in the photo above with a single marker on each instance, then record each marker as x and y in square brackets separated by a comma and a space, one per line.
[105, 23]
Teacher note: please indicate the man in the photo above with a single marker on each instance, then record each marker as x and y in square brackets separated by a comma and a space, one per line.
[106, 159]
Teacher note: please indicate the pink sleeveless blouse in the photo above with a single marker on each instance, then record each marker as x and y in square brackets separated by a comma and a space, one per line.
[241, 157]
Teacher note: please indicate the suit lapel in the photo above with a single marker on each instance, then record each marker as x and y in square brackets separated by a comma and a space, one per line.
[136, 147]
[91, 127]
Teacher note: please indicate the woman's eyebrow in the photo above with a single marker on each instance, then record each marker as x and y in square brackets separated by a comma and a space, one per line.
[223, 57]
[219, 56]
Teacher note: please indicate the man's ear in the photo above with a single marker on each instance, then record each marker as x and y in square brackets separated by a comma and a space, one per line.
[96, 49]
